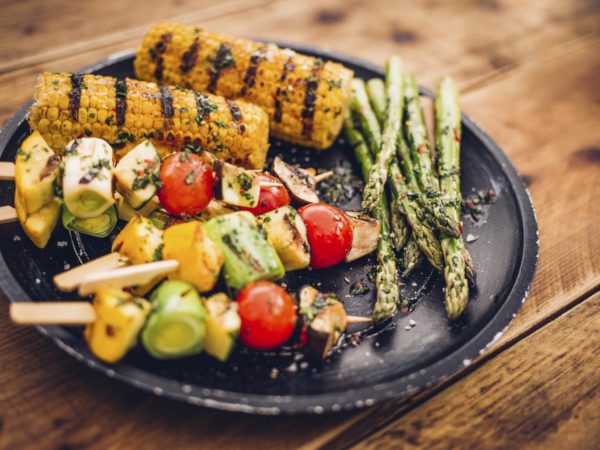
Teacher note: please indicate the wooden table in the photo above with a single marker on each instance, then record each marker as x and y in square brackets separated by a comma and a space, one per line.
[529, 73]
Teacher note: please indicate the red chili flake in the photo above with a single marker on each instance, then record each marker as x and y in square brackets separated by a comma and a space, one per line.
[469, 204]
[460, 228]
[456, 136]
[118, 248]
[421, 148]
[491, 194]
[110, 331]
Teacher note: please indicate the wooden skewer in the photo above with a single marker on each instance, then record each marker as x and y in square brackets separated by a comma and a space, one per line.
[359, 319]
[7, 214]
[7, 171]
[69, 280]
[52, 313]
[126, 276]
[323, 176]
[266, 184]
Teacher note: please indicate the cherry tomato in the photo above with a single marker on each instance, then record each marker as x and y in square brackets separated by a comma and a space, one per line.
[186, 184]
[329, 234]
[270, 198]
[268, 315]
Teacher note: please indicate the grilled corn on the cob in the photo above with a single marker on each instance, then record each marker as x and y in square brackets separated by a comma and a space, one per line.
[125, 111]
[305, 97]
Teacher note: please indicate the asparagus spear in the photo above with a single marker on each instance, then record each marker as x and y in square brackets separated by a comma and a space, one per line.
[412, 256]
[421, 157]
[394, 105]
[404, 198]
[400, 229]
[448, 132]
[388, 292]
[376, 93]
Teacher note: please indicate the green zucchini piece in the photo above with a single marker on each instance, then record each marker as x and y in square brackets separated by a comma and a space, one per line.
[137, 175]
[177, 324]
[222, 326]
[248, 254]
[99, 226]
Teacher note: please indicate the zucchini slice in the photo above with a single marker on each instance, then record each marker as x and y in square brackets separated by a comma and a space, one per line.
[248, 254]
[237, 186]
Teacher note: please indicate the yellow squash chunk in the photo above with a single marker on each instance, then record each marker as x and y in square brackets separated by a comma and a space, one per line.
[119, 319]
[36, 169]
[200, 259]
[140, 241]
[222, 326]
[39, 225]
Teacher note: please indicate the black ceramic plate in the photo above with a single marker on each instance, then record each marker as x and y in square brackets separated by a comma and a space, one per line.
[391, 360]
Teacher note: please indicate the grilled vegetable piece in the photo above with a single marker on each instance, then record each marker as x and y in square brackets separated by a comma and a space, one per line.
[137, 175]
[36, 170]
[140, 241]
[448, 134]
[248, 254]
[177, 324]
[39, 225]
[365, 235]
[378, 175]
[99, 226]
[286, 231]
[305, 97]
[222, 326]
[126, 212]
[237, 186]
[216, 208]
[301, 185]
[87, 180]
[124, 112]
[324, 318]
[200, 259]
[420, 149]
[119, 319]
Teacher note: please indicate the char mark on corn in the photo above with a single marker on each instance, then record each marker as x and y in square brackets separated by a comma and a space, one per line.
[310, 98]
[189, 58]
[156, 53]
[75, 95]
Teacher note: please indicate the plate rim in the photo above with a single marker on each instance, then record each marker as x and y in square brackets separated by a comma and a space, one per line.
[322, 402]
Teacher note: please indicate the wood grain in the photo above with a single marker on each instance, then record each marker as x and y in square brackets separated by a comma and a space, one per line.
[542, 393]
[529, 70]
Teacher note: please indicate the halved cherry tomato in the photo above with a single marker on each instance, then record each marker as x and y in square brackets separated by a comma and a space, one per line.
[329, 234]
[270, 198]
[186, 184]
[268, 315]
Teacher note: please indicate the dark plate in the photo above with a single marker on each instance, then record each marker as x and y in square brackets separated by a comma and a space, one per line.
[392, 359]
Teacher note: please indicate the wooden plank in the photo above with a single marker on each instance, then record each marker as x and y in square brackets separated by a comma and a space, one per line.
[27, 25]
[542, 393]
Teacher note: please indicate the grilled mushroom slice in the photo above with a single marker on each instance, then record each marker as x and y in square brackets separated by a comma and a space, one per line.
[325, 320]
[365, 235]
[299, 182]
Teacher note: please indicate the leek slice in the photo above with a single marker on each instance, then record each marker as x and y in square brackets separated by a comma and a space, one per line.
[176, 327]
[99, 226]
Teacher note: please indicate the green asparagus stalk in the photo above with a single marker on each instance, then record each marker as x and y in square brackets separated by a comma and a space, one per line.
[448, 132]
[394, 104]
[404, 199]
[416, 134]
[388, 292]
[400, 228]
[412, 256]
[407, 202]
[376, 93]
